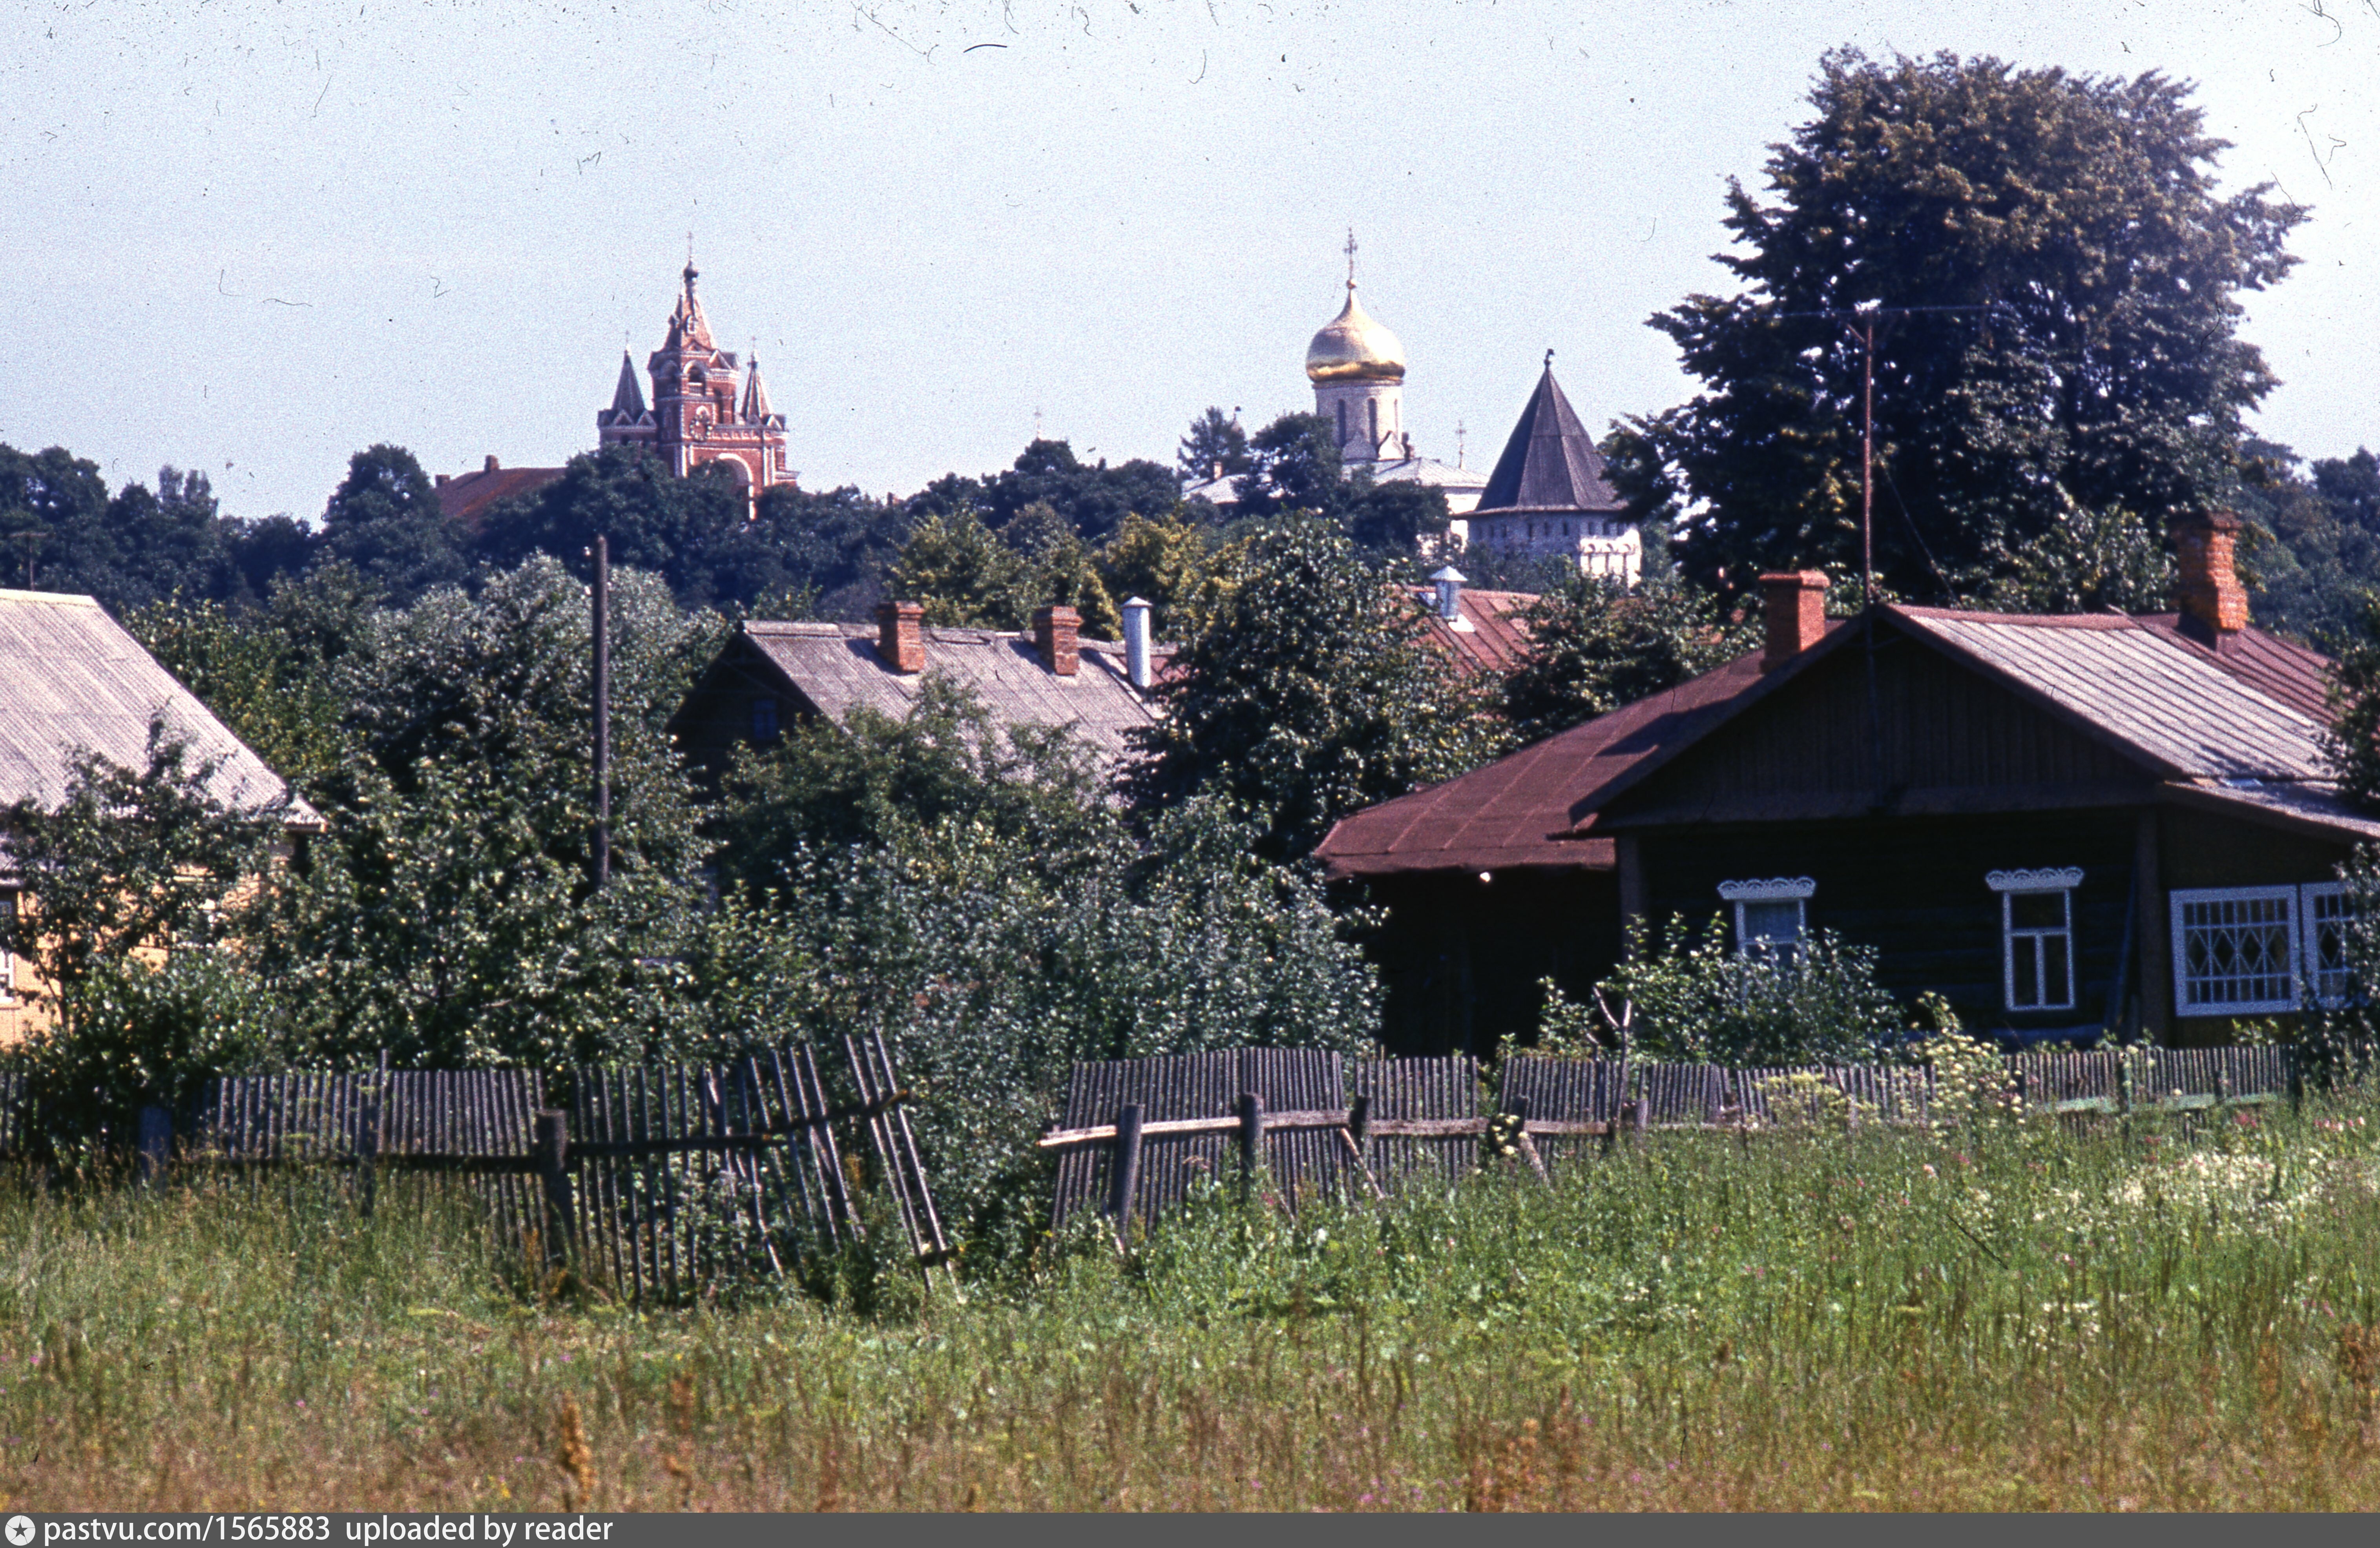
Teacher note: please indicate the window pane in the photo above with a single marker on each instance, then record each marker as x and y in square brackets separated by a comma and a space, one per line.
[2024, 982]
[2056, 986]
[1776, 924]
[2037, 911]
[2236, 951]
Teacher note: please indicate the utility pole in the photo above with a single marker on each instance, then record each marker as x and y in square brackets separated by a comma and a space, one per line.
[602, 712]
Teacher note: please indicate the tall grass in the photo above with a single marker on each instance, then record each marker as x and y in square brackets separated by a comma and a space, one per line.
[2007, 1317]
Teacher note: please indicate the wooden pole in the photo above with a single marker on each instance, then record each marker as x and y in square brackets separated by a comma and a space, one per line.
[1124, 1177]
[602, 711]
[553, 1131]
[1251, 1140]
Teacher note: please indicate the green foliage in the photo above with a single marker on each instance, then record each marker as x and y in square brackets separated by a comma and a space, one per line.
[2084, 562]
[385, 521]
[1692, 998]
[1091, 498]
[1215, 448]
[1293, 466]
[2352, 746]
[961, 571]
[2108, 374]
[1595, 646]
[1309, 692]
[1166, 562]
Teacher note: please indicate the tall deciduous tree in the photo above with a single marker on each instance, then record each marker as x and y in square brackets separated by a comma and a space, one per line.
[2107, 372]
[1310, 691]
[1596, 645]
[384, 519]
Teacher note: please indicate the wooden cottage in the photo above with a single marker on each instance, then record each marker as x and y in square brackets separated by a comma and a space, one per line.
[2064, 825]
[770, 675]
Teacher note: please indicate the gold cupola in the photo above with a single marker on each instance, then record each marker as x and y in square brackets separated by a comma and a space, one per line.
[1353, 347]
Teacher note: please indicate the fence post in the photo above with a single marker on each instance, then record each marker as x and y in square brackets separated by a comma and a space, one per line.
[1521, 1141]
[1644, 1115]
[553, 1158]
[1355, 1136]
[2297, 1082]
[1251, 1140]
[156, 1145]
[1123, 1178]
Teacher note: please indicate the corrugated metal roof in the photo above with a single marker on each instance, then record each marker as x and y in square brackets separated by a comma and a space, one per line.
[72, 678]
[1497, 636]
[464, 496]
[2140, 687]
[836, 666]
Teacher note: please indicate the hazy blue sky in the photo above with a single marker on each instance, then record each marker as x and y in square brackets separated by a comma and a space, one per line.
[255, 237]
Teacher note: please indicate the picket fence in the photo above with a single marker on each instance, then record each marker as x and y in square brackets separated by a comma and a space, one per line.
[1137, 1135]
[648, 1182]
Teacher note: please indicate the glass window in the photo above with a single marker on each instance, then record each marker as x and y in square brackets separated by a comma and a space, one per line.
[2325, 914]
[2235, 951]
[2037, 930]
[764, 720]
[1769, 916]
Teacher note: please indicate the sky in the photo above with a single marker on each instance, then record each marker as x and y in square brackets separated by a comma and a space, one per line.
[252, 237]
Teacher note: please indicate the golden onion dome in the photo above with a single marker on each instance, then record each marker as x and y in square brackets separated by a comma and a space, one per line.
[1353, 347]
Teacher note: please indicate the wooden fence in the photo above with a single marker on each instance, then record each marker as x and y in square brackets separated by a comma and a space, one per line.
[1136, 1134]
[653, 1182]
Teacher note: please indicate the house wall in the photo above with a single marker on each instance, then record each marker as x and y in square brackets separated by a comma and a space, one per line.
[1460, 958]
[717, 716]
[2205, 849]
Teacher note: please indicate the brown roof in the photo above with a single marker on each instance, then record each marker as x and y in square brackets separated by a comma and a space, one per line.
[2242, 724]
[1550, 463]
[72, 679]
[1495, 639]
[466, 495]
[835, 666]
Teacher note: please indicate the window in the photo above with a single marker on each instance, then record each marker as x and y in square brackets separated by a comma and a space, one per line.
[1342, 421]
[2037, 936]
[2325, 914]
[2235, 951]
[1769, 914]
[764, 720]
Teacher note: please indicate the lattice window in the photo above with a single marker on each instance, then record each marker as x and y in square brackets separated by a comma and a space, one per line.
[2326, 911]
[2235, 951]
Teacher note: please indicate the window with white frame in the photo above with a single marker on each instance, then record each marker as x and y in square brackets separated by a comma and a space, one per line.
[2037, 936]
[2236, 950]
[2324, 912]
[1769, 916]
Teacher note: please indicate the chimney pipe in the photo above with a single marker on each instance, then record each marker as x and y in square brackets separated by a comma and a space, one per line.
[2208, 589]
[1795, 603]
[1449, 581]
[901, 636]
[491, 464]
[1055, 630]
[1135, 644]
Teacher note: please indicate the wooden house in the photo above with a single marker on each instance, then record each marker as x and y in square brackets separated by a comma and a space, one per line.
[78, 683]
[770, 675]
[2064, 825]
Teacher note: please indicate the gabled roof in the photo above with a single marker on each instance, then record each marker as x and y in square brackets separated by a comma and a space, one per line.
[628, 398]
[72, 678]
[1492, 637]
[2239, 724]
[1550, 463]
[836, 667]
[465, 497]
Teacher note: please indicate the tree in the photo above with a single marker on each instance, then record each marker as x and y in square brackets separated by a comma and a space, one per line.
[1215, 448]
[1309, 692]
[831, 546]
[159, 545]
[678, 528]
[52, 507]
[2106, 374]
[1092, 498]
[1595, 646]
[384, 519]
[1293, 465]
[1164, 562]
[961, 571]
[1398, 519]
[2352, 747]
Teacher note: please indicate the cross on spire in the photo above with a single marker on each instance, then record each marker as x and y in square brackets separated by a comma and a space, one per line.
[1350, 258]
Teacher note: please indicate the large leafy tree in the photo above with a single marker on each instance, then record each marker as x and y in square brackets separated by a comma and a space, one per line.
[384, 519]
[1596, 645]
[1215, 448]
[2107, 372]
[53, 515]
[1309, 692]
[677, 528]
[1092, 498]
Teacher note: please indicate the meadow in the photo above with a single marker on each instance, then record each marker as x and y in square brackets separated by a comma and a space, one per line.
[2007, 1315]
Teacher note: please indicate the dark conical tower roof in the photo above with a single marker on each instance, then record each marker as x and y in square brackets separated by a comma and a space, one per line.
[628, 398]
[1550, 463]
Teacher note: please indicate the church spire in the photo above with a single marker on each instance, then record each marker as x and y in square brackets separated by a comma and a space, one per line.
[755, 397]
[628, 398]
[688, 328]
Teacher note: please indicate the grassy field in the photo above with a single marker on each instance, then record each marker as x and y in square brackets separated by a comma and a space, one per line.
[2006, 1318]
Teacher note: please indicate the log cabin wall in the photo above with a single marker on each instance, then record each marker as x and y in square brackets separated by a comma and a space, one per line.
[1460, 958]
[1914, 889]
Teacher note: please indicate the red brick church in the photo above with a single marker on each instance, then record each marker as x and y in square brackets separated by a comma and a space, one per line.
[707, 406]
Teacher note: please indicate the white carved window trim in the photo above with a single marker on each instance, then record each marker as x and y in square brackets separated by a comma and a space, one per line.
[2037, 940]
[1776, 889]
[2188, 998]
[2325, 908]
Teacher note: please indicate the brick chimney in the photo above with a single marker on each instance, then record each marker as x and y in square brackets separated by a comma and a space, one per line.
[2207, 588]
[492, 464]
[1795, 602]
[901, 636]
[1053, 630]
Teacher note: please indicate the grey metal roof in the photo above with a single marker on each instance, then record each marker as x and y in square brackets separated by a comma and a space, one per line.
[2142, 689]
[72, 679]
[1550, 463]
[836, 666]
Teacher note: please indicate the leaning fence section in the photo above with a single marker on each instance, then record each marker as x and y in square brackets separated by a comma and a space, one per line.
[1402, 1099]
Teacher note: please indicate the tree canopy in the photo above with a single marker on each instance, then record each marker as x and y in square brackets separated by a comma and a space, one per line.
[2100, 369]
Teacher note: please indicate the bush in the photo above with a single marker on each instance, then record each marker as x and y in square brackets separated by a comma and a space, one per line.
[1693, 999]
